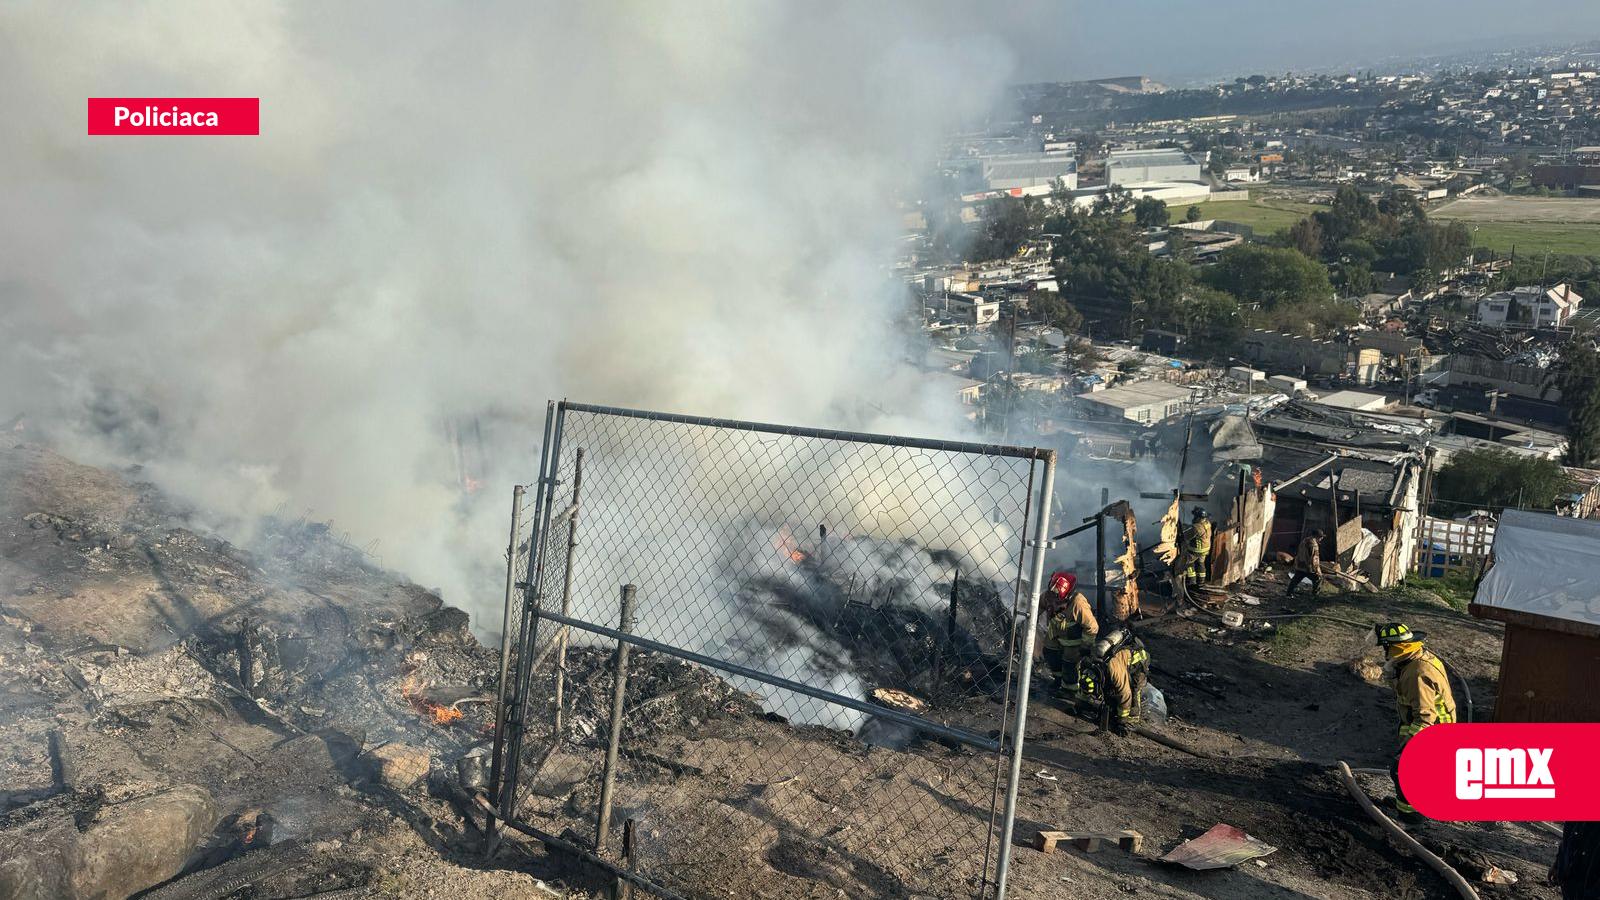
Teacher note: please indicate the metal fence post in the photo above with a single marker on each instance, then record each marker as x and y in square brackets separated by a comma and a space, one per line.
[619, 690]
[566, 592]
[1041, 532]
[1100, 556]
[544, 494]
[505, 649]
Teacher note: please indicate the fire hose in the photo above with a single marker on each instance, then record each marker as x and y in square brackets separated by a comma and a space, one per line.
[1399, 834]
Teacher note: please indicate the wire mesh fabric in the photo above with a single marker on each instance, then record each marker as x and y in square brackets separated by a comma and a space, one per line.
[881, 576]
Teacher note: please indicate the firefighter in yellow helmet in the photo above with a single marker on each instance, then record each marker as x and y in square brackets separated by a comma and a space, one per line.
[1070, 630]
[1421, 690]
[1114, 674]
[1198, 548]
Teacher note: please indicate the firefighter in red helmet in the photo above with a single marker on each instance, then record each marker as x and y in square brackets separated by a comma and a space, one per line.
[1069, 630]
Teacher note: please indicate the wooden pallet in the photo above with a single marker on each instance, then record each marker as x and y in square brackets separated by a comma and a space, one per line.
[1128, 840]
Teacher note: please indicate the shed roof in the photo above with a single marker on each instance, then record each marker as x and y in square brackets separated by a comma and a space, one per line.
[1544, 566]
[1140, 393]
[1155, 156]
[1035, 167]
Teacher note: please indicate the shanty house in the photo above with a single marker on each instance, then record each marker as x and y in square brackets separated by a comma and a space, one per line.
[1366, 505]
[1541, 584]
[1141, 401]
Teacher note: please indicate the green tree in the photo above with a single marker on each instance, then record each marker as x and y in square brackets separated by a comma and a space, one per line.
[1270, 276]
[1312, 318]
[1495, 479]
[1356, 250]
[1306, 236]
[1576, 374]
[1354, 279]
[1149, 212]
[1052, 309]
[1193, 214]
[1349, 216]
[1007, 223]
[1115, 201]
[1209, 316]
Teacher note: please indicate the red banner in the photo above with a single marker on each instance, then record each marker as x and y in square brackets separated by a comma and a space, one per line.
[174, 115]
[1511, 772]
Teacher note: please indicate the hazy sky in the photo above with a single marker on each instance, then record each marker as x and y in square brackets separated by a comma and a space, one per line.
[1178, 39]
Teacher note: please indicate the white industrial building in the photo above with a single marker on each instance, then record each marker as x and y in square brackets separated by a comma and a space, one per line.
[1530, 306]
[1030, 170]
[1134, 167]
[973, 309]
[1142, 401]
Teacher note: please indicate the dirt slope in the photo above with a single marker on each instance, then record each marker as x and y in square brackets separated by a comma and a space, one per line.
[169, 701]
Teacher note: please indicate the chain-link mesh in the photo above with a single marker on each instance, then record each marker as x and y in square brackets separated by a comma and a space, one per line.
[878, 572]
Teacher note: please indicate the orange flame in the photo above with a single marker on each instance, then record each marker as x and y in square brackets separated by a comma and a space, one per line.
[437, 713]
[785, 543]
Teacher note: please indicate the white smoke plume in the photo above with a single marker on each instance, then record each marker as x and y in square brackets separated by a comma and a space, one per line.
[453, 213]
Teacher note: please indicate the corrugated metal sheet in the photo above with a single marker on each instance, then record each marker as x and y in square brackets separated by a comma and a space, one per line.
[1220, 847]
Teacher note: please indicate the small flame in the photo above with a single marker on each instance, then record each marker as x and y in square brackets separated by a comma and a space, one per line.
[785, 543]
[437, 713]
[249, 835]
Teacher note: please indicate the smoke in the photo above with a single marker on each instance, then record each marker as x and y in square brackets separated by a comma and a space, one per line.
[452, 214]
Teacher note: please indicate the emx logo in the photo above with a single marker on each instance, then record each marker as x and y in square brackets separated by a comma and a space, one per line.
[1504, 772]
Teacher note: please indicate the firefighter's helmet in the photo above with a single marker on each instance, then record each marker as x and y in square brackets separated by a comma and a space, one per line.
[1390, 633]
[1062, 583]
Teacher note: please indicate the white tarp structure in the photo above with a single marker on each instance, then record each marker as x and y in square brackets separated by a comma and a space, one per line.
[1545, 565]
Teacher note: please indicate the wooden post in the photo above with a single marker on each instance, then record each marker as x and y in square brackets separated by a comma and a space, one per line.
[949, 643]
[619, 690]
[566, 596]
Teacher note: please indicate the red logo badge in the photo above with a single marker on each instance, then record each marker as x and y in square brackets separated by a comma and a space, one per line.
[174, 115]
[1514, 772]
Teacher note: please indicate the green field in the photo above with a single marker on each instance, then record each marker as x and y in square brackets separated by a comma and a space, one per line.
[1265, 216]
[1272, 216]
[1573, 238]
[1538, 237]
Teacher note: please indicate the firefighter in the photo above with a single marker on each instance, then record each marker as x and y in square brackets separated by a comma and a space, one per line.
[1114, 674]
[1577, 868]
[1198, 548]
[1069, 631]
[1421, 691]
[1307, 563]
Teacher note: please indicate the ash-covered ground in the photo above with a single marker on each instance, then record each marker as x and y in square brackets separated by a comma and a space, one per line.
[182, 718]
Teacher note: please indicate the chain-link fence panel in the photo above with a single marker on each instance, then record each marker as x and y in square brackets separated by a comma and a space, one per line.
[822, 645]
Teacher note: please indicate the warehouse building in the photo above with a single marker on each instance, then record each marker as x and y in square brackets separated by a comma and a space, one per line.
[1131, 167]
[1032, 170]
[1144, 401]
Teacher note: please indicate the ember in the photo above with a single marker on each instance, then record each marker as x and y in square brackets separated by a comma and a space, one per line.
[437, 713]
[785, 543]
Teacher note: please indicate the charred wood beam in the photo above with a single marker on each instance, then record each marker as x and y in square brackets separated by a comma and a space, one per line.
[915, 723]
